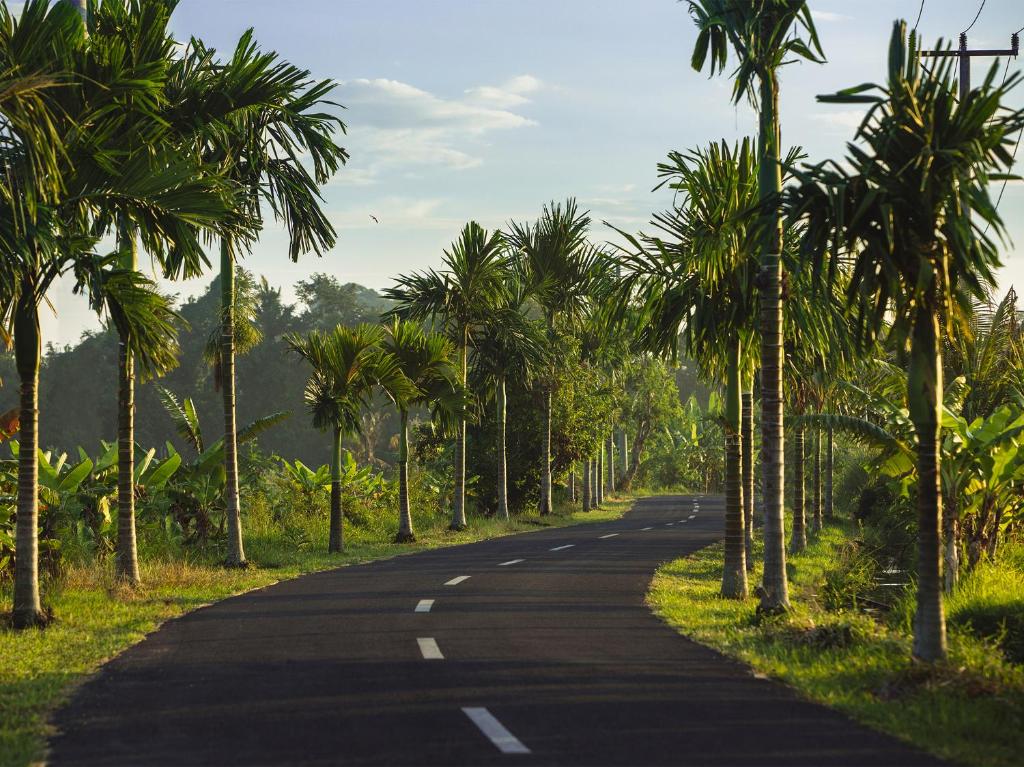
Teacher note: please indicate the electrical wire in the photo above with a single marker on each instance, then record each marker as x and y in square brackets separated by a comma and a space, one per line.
[976, 17]
[919, 12]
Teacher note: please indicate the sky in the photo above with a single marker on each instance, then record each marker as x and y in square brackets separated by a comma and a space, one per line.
[484, 110]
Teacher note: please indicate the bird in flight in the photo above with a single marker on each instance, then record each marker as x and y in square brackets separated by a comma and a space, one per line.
[374, 219]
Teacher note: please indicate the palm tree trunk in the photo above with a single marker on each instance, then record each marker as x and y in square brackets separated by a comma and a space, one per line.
[459, 501]
[734, 571]
[336, 539]
[625, 459]
[572, 482]
[502, 468]
[798, 539]
[127, 556]
[28, 609]
[951, 542]
[586, 485]
[599, 483]
[405, 531]
[611, 462]
[830, 467]
[748, 473]
[233, 511]
[817, 481]
[545, 475]
[924, 397]
[775, 592]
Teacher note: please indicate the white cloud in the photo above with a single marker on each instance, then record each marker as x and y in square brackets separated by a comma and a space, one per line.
[393, 124]
[842, 121]
[395, 213]
[829, 16]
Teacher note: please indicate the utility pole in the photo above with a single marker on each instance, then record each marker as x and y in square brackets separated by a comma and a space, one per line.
[965, 55]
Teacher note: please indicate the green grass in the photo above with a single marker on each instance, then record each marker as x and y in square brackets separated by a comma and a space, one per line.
[95, 618]
[969, 710]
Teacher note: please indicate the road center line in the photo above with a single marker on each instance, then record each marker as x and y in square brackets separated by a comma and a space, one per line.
[563, 548]
[646, 528]
[495, 731]
[691, 516]
[511, 562]
[457, 581]
[610, 535]
[669, 524]
[429, 648]
[424, 605]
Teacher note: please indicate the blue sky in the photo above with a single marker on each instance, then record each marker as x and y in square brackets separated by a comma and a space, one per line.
[486, 109]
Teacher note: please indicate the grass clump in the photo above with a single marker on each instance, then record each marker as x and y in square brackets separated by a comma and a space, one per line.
[834, 652]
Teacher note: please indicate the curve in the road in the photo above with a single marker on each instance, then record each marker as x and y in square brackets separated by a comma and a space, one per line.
[530, 649]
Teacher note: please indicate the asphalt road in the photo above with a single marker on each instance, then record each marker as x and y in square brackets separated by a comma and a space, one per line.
[545, 654]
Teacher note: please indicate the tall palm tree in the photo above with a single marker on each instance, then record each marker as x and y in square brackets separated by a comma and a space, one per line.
[459, 298]
[911, 211]
[50, 222]
[428, 365]
[348, 363]
[556, 260]
[277, 144]
[698, 280]
[172, 237]
[764, 35]
[509, 344]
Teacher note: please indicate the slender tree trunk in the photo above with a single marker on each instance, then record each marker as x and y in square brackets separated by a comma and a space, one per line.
[28, 609]
[502, 468]
[233, 510]
[586, 485]
[798, 538]
[634, 456]
[336, 539]
[775, 593]
[459, 501]
[924, 396]
[624, 453]
[405, 532]
[545, 475]
[572, 482]
[734, 571]
[748, 474]
[951, 542]
[830, 468]
[127, 557]
[600, 474]
[611, 462]
[817, 481]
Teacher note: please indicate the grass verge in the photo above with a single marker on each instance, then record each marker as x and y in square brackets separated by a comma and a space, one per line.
[95, 618]
[968, 710]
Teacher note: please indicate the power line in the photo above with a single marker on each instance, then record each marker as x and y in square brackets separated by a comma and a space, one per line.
[1013, 159]
[919, 12]
[976, 17]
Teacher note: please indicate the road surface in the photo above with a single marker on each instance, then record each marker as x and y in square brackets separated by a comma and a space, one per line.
[535, 649]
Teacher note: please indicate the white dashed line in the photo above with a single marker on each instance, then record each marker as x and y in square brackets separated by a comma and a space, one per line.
[457, 581]
[429, 648]
[424, 605]
[563, 548]
[669, 524]
[691, 516]
[610, 535]
[495, 731]
[511, 562]
[647, 528]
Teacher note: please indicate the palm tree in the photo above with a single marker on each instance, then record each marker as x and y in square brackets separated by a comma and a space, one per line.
[429, 377]
[277, 145]
[348, 363]
[699, 280]
[556, 261]
[459, 298]
[169, 235]
[911, 212]
[49, 223]
[509, 344]
[763, 35]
